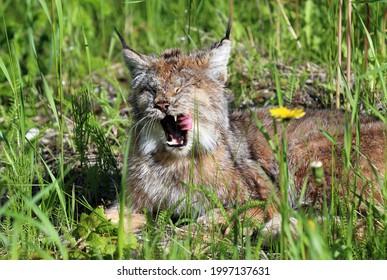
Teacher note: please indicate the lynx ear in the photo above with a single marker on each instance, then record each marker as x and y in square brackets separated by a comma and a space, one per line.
[135, 61]
[219, 56]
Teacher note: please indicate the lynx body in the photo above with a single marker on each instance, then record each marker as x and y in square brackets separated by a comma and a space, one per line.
[184, 135]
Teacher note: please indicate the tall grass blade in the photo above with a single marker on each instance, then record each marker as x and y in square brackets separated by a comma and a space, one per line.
[121, 233]
[372, 48]
[6, 74]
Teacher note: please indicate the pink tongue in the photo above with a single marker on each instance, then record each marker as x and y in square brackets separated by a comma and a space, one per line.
[185, 123]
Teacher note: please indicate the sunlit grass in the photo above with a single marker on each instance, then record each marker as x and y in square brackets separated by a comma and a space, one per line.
[61, 64]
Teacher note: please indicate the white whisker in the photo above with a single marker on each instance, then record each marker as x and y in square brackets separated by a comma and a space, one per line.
[136, 124]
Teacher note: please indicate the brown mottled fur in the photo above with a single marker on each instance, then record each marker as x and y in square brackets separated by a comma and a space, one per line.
[224, 151]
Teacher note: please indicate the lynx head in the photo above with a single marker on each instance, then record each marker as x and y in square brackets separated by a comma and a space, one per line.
[178, 100]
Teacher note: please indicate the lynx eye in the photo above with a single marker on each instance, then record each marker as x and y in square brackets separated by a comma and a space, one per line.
[178, 90]
[149, 90]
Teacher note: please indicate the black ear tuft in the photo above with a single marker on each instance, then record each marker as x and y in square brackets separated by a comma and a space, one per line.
[218, 57]
[124, 45]
[225, 38]
[228, 31]
[135, 61]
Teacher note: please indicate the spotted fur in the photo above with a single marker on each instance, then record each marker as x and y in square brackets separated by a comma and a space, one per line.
[225, 152]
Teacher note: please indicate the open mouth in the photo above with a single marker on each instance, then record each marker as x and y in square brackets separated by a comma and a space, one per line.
[176, 129]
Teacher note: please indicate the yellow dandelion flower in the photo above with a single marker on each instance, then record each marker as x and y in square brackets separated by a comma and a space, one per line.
[311, 225]
[286, 114]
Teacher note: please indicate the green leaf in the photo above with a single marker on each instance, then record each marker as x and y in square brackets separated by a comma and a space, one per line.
[80, 231]
[46, 11]
[130, 241]
[110, 249]
[96, 241]
[6, 73]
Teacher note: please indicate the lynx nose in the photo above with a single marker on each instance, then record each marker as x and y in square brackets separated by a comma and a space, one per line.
[162, 106]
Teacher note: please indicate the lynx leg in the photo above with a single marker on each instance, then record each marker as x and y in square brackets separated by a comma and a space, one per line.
[133, 222]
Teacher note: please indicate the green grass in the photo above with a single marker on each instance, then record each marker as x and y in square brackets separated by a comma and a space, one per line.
[62, 72]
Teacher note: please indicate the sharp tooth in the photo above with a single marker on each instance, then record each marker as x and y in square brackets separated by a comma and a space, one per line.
[175, 117]
[181, 142]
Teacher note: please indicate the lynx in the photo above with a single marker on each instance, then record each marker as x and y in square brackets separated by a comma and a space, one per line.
[185, 135]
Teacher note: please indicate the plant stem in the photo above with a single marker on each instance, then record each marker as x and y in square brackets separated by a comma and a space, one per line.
[349, 45]
[339, 39]
[291, 30]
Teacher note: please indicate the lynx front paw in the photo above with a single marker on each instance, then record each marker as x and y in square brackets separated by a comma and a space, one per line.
[133, 222]
[273, 227]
